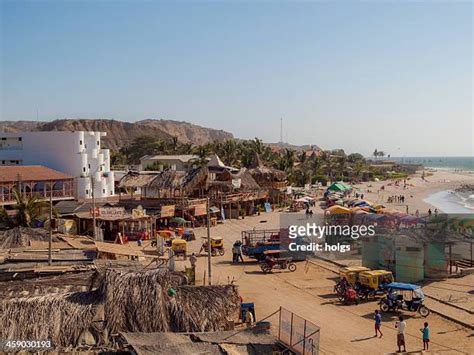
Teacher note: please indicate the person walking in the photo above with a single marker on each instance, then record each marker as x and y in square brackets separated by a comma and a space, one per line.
[378, 323]
[426, 336]
[401, 326]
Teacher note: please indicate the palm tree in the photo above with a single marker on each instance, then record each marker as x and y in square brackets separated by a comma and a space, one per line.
[27, 209]
[375, 153]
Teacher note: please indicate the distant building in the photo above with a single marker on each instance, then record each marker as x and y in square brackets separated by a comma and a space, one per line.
[183, 162]
[78, 154]
[34, 181]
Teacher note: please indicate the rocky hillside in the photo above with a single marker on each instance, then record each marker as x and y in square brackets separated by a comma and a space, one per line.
[121, 133]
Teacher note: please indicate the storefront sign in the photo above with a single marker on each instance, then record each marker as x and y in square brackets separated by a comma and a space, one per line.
[167, 211]
[138, 212]
[108, 212]
[200, 210]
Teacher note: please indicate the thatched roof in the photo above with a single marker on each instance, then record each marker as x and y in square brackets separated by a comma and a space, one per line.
[247, 181]
[134, 179]
[263, 174]
[126, 301]
[167, 179]
[23, 236]
[60, 317]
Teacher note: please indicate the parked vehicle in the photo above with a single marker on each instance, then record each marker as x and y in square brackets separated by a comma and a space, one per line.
[273, 260]
[351, 273]
[349, 296]
[256, 242]
[179, 247]
[403, 296]
[376, 280]
[217, 246]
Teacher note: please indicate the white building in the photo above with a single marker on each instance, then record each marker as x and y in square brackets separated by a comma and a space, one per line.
[183, 162]
[78, 154]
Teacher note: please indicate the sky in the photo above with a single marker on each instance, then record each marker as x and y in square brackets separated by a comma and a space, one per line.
[396, 76]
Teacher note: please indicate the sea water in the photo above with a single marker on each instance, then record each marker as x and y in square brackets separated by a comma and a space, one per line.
[451, 163]
[448, 201]
[451, 202]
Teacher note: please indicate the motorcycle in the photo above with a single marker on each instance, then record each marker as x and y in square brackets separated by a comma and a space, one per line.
[281, 263]
[349, 296]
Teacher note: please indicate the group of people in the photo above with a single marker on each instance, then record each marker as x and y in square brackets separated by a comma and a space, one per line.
[401, 326]
[396, 199]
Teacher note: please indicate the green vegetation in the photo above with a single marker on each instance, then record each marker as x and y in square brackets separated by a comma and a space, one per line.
[301, 167]
[26, 211]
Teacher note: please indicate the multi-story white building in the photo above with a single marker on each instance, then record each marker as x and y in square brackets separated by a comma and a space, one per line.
[78, 154]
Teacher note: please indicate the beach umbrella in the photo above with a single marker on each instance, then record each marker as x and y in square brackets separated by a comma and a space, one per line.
[178, 220]
[336, 209]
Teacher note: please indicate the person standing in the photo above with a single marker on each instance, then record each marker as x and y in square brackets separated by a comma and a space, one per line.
[378, 323]
[239, 253]
[193, 260]
[426, 336]
[401, 326]
[234, 252]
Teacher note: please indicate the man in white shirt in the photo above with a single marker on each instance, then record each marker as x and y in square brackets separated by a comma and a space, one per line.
[401, 326]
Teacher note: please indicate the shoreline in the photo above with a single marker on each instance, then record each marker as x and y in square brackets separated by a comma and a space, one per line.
[419, 193]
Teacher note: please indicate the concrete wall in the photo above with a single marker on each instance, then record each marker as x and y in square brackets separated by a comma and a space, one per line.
[75, 153]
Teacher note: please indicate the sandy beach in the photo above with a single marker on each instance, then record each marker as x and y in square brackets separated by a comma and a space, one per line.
[417, 191]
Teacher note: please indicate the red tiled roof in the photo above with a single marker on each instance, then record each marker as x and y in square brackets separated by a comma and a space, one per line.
[30, 173]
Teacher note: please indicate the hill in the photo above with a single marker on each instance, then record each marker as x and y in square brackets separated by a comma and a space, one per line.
[120, 133]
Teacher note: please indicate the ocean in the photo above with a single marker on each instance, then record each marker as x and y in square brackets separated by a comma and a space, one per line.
[448, 201]
[452, 163]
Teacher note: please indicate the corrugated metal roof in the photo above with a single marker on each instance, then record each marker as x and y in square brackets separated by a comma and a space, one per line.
[30, 173]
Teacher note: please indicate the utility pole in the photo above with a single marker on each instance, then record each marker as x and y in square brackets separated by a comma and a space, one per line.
[209, 249]
[50, 241]
[94, 228]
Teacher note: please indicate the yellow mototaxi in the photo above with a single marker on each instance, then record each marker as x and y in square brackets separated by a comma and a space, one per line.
[351, 273]
[375, 279]
[179, 247]
[217, 246]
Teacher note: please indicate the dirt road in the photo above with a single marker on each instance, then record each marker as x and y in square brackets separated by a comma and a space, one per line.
[309, 293]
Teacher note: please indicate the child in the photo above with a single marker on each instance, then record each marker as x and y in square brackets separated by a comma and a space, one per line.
[378, 322]
[426, 336]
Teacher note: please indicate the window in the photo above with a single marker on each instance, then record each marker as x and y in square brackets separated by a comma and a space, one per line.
[87, 192]
[103, 191]
[98, 142]
[19, 139]
[84, 169]
[80, 142]
[89, 166]
[4, 139]
[3, 162]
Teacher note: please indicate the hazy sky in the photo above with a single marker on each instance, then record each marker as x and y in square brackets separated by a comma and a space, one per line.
[396, 76]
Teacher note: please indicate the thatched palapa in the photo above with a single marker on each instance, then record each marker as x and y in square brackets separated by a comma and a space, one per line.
[131, 302]
[19, 237]
[136, 301]
[59, 317]
[265, 176]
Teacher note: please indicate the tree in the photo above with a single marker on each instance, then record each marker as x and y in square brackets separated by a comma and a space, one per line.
[355, 157]
[375, 153]
[27, 210]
